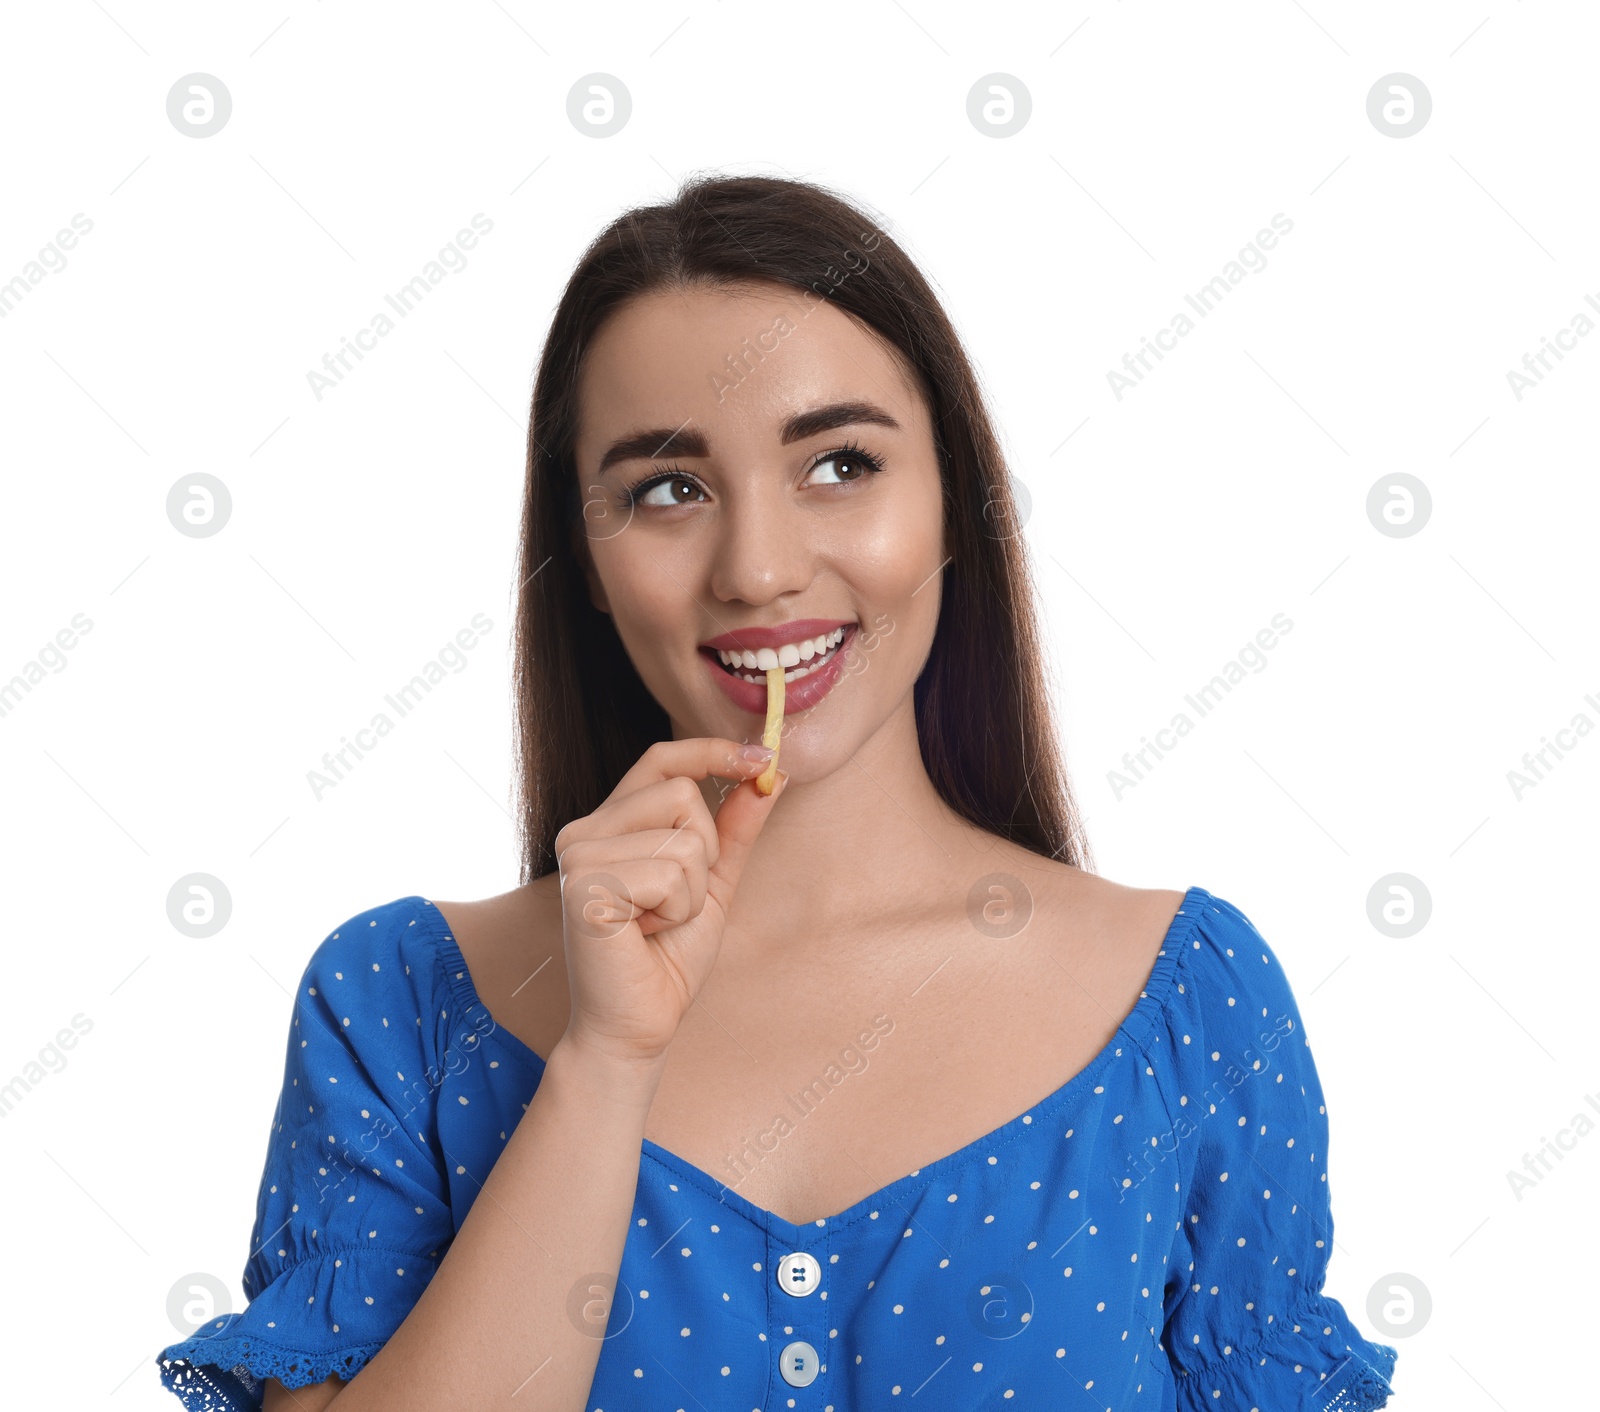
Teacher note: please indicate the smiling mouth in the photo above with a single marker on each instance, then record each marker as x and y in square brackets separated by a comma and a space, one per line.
[799, 659]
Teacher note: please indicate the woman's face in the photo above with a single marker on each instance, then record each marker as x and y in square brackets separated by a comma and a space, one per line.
[758, 474]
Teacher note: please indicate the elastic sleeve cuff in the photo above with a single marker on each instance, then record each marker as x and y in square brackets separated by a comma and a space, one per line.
[321, 1317]
[1317, 1360]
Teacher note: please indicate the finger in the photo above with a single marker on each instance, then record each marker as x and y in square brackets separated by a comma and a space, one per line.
[670, 804]
[694, 759]
[683, 846]
[739, 823]
[598, 902]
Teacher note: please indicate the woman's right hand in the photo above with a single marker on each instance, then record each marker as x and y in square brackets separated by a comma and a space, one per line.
[647, 882]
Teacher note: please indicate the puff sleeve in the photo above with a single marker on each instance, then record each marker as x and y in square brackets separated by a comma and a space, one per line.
[352, 1214]
[1247, 1326]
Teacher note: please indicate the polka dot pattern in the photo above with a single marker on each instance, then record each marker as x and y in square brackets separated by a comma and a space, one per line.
[1163, 1215]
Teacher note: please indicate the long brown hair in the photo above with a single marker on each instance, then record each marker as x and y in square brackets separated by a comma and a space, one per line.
[582, 715]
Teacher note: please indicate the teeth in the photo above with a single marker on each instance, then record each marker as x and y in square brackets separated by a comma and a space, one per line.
[789, 655]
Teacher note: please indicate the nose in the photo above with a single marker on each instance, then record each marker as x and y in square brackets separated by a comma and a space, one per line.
[764, 545]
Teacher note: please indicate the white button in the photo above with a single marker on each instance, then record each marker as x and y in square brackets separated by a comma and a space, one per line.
[799, 1364]
[799, 1273]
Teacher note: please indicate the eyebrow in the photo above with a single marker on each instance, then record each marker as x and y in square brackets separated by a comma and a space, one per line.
[686, 441]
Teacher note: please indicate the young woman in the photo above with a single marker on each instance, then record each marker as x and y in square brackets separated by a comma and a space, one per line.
[867, 1088]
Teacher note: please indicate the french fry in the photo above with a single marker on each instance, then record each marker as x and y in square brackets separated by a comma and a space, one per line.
[774, 729]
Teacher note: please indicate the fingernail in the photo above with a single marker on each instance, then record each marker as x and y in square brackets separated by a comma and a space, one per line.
[755, 752]
[781, 779]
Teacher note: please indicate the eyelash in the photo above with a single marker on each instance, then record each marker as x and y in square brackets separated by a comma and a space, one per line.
[628, 497]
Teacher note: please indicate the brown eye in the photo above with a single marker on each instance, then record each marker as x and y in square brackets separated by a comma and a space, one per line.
[843, 468]
[850, 465]
[676, 490]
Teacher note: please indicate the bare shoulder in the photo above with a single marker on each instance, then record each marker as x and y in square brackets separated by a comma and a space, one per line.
[1107, 933]
[514, 953]
[494, 915]
[1132, 919]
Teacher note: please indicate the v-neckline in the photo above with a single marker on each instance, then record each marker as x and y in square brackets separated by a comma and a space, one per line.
[1130, 1030]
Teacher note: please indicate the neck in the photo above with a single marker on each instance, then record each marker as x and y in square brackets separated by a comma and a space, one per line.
[871, 837]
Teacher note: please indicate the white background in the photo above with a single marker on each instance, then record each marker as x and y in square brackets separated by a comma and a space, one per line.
[1167, 528]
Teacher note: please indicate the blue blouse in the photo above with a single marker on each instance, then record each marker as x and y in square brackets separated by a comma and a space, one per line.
[1153, 1235]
